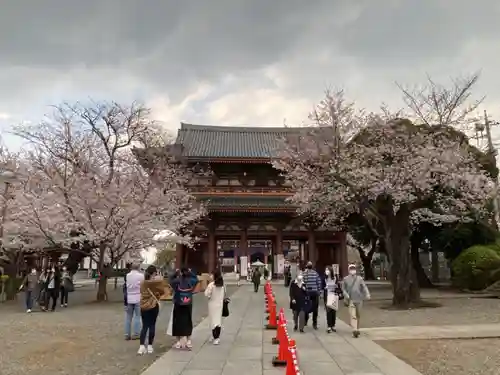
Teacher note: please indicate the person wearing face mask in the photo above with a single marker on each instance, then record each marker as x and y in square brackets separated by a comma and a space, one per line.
[216, 293]
[331, 295]
[30, 284]
[66, 284]
[314, 286]
[355, 292]
[52, 285]
[299, 302]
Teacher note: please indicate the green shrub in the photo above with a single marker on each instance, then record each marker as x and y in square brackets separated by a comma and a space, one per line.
[475, 267]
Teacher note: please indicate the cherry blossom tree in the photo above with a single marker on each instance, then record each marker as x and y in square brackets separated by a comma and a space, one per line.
[435, 103]
[391, 171]
[86, 186]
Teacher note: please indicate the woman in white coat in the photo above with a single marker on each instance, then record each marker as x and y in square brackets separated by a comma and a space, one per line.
[215, 293]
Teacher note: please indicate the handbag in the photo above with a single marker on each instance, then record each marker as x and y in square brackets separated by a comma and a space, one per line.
[225, 305]
[332, 301]
[70, 287]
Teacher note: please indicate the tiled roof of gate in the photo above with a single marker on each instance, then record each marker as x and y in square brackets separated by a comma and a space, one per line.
[205, 141]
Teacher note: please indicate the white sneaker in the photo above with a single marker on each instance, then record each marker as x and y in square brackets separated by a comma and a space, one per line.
[28, 311]
[216, 341]
[142, 350]
[62, 305]
[178, 345]
[189, 345]
[150, 349]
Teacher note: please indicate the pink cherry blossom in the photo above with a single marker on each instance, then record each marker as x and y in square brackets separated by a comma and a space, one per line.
[82, 173]
[390, 170]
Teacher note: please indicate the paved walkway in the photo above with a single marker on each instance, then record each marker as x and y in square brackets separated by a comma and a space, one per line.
[246, 347]
[472, 331]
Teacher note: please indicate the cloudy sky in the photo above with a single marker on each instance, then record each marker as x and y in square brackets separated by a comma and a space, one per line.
[238, 62]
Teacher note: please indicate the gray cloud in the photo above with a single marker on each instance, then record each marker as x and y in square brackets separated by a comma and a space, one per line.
[56, 49]
[413, 31]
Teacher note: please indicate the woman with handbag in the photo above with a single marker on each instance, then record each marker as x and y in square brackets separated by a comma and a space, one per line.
[332, 294]
[152, 288]
[216, 293]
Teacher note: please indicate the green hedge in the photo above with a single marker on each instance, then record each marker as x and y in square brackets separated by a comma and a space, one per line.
[476, 268]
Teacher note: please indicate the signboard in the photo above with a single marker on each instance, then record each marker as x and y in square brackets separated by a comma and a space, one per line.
[336, 269]
[244, 266]
[281, 264]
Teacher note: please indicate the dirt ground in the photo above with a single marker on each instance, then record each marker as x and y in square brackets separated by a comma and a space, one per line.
[87, 338]
[448, 357]
[455, 309]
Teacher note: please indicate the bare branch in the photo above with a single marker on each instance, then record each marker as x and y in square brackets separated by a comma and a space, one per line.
[438, 104]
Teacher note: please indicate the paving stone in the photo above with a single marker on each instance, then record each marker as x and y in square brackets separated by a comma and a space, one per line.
[246, 347]
[311, 368]
[242, 367]
[249, 353]
[356, 364]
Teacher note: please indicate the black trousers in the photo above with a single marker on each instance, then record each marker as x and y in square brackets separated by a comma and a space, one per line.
[256, 287]
[148, 325]
[51, 295]
[216, 332]
[314, 309]
[64, 295]
[331, 317]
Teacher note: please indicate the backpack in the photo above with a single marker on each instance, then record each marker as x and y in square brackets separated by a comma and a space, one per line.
[184, 293]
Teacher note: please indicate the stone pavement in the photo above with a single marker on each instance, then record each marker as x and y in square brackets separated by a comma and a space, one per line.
[472, 331]
[246, 347]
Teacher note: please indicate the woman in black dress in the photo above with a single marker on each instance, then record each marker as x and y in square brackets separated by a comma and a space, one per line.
[183, 284]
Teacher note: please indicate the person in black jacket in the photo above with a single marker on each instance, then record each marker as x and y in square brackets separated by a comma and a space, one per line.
[299, 303]
[52, 286]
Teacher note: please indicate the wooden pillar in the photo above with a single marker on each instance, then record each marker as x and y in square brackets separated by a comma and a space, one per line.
[179, 255]
[304, 252]
[311, 246]
[342, 255]
[279, 249]
[212, 250]
[279, 241]
[243, 243]
[243, 247]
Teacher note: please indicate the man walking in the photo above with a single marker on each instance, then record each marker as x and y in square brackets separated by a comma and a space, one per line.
[133, 282]
[313, 283]
[355, 292]
[256, 280]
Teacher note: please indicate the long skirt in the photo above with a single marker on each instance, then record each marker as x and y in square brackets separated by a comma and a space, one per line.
[182, 321]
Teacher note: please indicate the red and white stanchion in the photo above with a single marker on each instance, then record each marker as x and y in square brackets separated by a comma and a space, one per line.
[292, 363]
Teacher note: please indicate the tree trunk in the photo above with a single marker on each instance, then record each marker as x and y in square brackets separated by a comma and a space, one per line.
[403, 277]
[422, 278]
[102, 294]
[366, 259]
